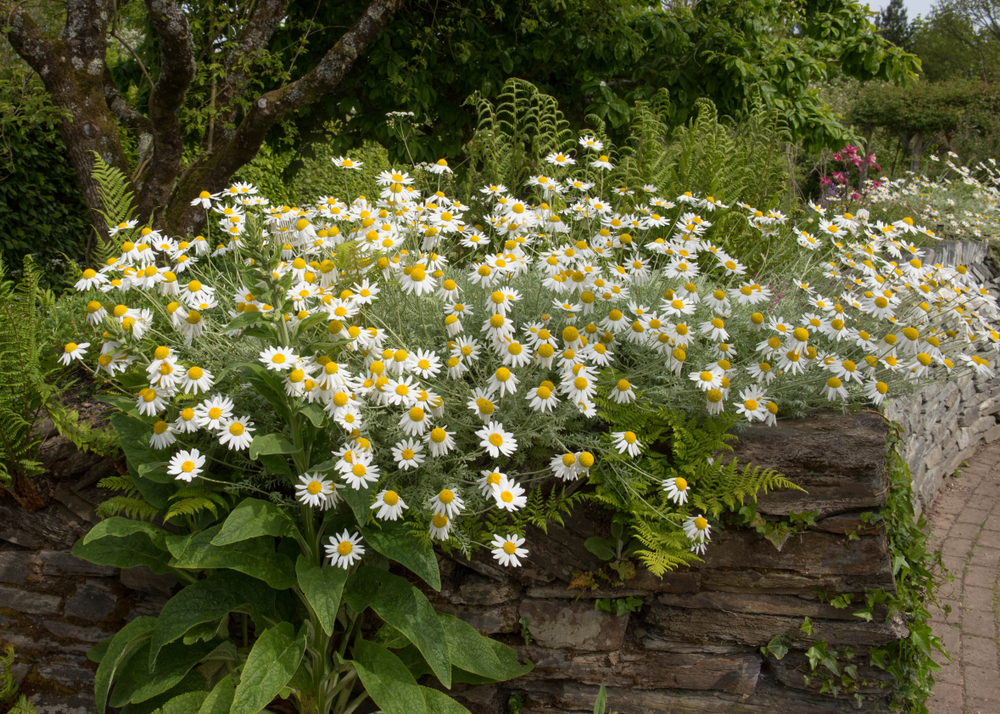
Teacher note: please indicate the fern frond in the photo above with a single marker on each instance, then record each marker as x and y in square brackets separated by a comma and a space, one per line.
[666, 546]
[116, 201]
[128, 506]
[192, 500]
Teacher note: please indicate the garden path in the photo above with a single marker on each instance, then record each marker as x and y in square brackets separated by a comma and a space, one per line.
[965, 523]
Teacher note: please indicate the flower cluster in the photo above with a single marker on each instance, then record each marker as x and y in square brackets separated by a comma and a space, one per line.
[417, 329]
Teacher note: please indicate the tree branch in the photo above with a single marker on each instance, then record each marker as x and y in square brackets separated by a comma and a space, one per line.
[211, 172]
[132, 119]
[85, 32]
[177, 70]
[256, 36]
[27, 38]
[275, 105]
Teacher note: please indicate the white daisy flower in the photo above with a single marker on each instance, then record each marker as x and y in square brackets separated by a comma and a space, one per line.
[313, 490]
[496, 440]
[626, 441]
[236, 433]
[390, 506]
[677, 490]
[509, 495]
[345, 549]
[508, 551]
[186, 465]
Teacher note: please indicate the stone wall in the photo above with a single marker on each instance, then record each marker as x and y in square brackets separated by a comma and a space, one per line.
[693, 646]
[945, 423]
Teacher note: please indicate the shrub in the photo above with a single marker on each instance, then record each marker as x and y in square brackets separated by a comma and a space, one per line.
[313, 397]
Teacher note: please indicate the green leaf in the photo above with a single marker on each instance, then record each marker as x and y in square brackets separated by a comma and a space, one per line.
[121, 646]
[440, 703]
[407, 609]
[778, 646]
[268, 444]
[314, 413]
[480, 655]
[255, 556]
[396, 542]
[322, 588]
[209, 600]
[184, 704]
[599, 547]
[360, 501]
[120, 527]
[96, 653]
[387, 680]
[220, 699]
[601, 704]
[245, 319]
[272, 662]
[253, 518]
[123, 552]
[137, 682]
[156, 471]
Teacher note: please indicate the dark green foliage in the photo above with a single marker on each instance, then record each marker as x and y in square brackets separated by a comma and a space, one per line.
[22, 382]
[41, 208]
[598, 57]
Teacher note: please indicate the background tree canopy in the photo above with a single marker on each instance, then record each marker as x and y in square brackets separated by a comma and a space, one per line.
[182, 95]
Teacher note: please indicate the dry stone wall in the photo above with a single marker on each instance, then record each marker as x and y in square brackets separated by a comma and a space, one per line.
[945, 423]
[692, 646]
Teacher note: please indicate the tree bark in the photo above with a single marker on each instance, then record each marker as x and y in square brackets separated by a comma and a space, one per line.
[75, 76]
[72, 70]
[213, 171]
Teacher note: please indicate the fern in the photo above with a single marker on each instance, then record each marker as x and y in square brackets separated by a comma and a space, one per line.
[513, 136]
[21, 378]
[116, 200]
[8, 687]
[131, 504]
[103, 441]
[192, 500]
[666, 548]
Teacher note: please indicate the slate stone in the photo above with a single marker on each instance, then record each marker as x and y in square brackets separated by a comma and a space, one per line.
[839, 459]
[30, 603]
[574, 626]
[15, 566]
[734, 671]
[92, 601]
[61, 562]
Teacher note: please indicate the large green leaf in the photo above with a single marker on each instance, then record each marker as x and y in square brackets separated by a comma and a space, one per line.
[220, 699]
[184, 704]
[123, 552]
[441, 703]
[253, 518]
[193, 682]
[118, 526]
[209, 600]
[480, 655]
[314, 413]
[388, 681]
[322, 588]
[267, 444]
[122, 645]
[396, 542]
[272, 662]
[407, 609]
[268, 385]
[136, 683]
[359, 500]
[255, 556]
